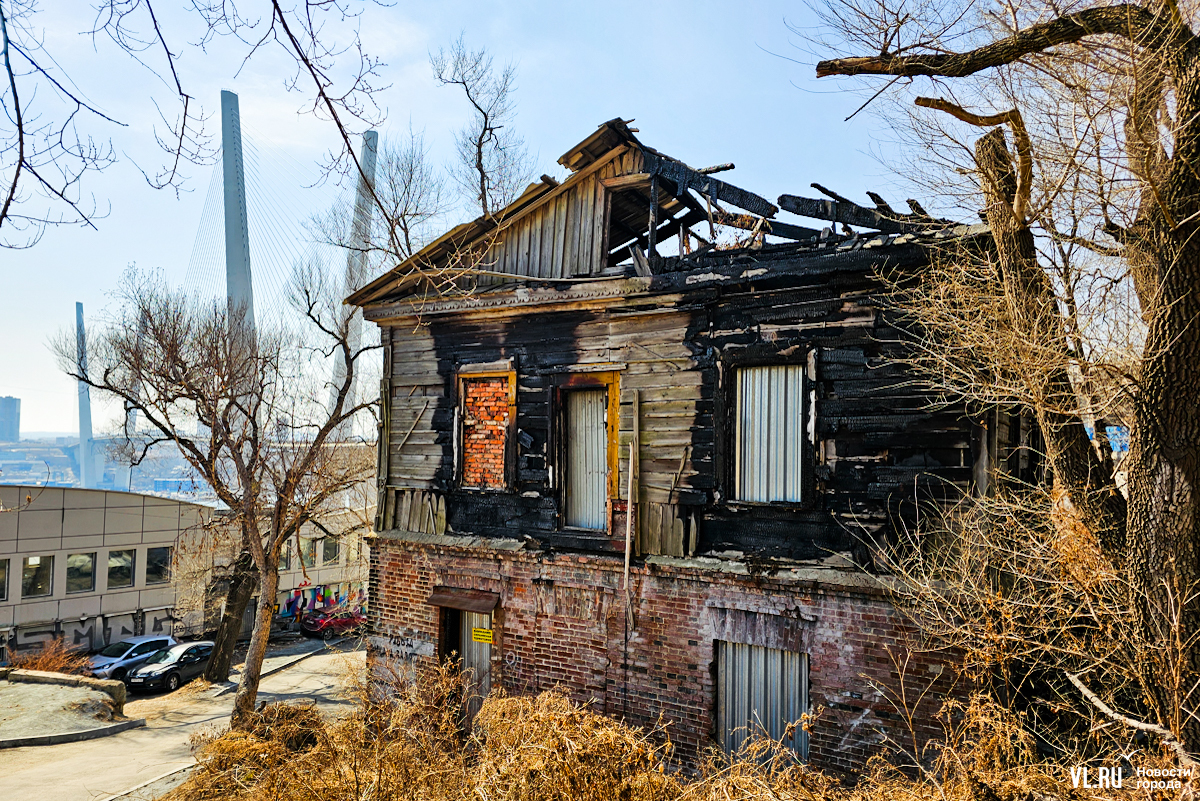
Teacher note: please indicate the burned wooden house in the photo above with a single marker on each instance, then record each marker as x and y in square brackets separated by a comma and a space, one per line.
[651, 479]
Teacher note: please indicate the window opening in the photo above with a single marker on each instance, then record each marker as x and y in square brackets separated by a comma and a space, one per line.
[81, 572]
[158, 565]
[770, 434]
[761, 690]
[586, 446]
[37, 576]
[120, 569]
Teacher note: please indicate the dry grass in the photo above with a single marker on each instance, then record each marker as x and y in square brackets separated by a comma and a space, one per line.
[410, 743]
[53, 657]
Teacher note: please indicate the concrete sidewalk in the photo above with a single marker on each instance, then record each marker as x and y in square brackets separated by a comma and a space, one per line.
[280, 659]
[46, 714]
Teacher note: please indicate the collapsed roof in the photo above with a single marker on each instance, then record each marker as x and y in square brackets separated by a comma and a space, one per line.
[622, 202]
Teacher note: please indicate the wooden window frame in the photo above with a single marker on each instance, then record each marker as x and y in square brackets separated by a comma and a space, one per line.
[725, 440]
[609, 380]
[464, 375]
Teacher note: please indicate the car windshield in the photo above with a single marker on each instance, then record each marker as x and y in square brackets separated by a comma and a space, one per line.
[164, 655]
[117, 649]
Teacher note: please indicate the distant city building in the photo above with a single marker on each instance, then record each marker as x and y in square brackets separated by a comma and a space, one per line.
[178, 485]
[10, 419]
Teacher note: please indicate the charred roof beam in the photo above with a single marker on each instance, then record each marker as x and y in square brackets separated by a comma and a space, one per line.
[843, 210]
[846, 213]
[684, 177]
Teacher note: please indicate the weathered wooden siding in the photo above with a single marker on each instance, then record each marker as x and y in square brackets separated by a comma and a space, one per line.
[879, 447]
[564, 236]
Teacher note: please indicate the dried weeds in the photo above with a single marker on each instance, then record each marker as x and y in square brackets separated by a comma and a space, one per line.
[53, 657]
[409, 739]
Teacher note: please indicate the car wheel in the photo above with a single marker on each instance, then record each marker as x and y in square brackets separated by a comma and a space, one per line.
[328, 634]
[172, 682]
[120, 675]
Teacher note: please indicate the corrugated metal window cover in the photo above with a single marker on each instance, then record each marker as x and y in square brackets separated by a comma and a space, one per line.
[476, 659]
[587, 458]
[760, 691]
[467, 600]
[769, 452]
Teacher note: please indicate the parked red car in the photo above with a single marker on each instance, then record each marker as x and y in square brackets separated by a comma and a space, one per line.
[334, 623]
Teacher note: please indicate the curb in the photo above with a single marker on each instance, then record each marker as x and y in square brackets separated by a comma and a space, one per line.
[147, 783]
[74, 736]
[299, 658]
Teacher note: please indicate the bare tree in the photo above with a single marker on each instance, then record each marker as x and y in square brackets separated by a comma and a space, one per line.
[247, 410]
[52, 138]
[411, 193]
[493, 163]
[1100, 199]
[407, 204]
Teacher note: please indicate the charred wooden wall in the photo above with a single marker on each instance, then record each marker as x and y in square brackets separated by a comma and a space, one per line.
[878, 446]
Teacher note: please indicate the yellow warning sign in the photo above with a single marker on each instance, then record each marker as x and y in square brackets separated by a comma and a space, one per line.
[481, 635]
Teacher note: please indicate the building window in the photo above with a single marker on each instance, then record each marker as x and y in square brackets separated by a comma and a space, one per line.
[586, 458]
[330, 549]
[285, 556]
[769, 452]
[487, 411]
[308, 553]
[37, 576]
[81, 572]
[120, 569]
[158, 565]
[3, 579]
[761, 691]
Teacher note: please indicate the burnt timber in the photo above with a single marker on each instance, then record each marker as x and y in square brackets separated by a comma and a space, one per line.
[673, 337]
[625, 325]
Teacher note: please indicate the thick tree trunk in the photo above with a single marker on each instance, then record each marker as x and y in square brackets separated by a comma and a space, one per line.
[242, 584]
[247, 691]
[1163, 467]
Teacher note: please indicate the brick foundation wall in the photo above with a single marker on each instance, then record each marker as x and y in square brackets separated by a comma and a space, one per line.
[485, 427]
[561, 622]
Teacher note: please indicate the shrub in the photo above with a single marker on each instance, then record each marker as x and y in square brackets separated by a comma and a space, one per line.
[53, 657]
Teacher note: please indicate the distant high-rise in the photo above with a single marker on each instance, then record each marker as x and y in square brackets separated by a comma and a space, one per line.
[10, 419]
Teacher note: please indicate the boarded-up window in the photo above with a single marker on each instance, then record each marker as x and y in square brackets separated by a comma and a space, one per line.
[761, 691]
[586, 458]
[770, 433]
[485, 422]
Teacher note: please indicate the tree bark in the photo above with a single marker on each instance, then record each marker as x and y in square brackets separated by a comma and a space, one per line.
[1163, 464]
[247, 691]
[242, 584]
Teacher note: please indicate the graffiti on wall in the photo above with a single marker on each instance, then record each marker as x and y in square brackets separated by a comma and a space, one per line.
[86, 633]
[160, 621]
[117, 627]
[309, 599]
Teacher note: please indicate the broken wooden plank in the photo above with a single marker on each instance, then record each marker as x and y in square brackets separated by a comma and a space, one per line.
[749, 222]
[846, 213]
[684, 177]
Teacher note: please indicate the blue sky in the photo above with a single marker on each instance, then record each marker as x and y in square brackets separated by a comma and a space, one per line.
[707, 82]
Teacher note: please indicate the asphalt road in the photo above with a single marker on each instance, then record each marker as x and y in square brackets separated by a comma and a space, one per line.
[96, 769]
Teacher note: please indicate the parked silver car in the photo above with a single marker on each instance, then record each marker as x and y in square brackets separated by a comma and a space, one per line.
[119, 659]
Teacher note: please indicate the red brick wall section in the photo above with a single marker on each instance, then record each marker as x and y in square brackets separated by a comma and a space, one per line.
[485, 432]
[561, 623]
